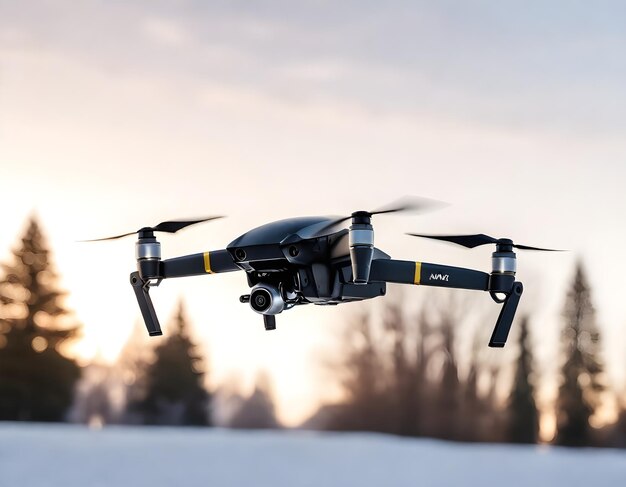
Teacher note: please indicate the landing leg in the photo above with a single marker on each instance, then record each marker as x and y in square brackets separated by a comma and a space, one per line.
[507, 313]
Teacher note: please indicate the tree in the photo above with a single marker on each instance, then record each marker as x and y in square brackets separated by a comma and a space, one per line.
[129, 386]
[403, 378]
[363, 378]
[446, 416]
[581, 373]
[257, 410]
[422, 389]
[523, 416]
[403, 383]
[471, 404]
[93, 402]
[36, 379]
[174, 381]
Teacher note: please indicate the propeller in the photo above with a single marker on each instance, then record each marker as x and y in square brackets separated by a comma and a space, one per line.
[471, 241]
[405, 204]
[171, 226]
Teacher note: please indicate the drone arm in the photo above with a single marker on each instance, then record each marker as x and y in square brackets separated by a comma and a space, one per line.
[187, 265]
[411, 272]
[408, 272]
[212, 262]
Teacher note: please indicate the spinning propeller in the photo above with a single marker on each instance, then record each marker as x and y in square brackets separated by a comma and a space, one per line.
[361, 234]
[406, 204]
[171, 226]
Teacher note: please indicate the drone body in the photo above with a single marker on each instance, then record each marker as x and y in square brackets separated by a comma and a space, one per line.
[308, 261]
[306, 265]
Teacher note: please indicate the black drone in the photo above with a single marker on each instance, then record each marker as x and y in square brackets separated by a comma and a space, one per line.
[310, 260]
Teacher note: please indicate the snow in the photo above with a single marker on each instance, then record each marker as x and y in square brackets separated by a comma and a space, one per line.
[75, 456]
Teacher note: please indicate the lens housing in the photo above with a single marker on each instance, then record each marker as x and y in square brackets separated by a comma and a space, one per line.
[266, 300]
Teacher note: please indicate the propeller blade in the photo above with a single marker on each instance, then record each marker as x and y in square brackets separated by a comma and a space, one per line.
[406, 203]
[526, 247]
[171, 226]
[174, 225]
[409, 203]
[469, 241]
[108, 238]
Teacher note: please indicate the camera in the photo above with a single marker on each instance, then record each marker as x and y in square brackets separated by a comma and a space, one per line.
[266, 299]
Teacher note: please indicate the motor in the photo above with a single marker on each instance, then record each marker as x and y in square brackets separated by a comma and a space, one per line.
[266, 299]
[361, 246]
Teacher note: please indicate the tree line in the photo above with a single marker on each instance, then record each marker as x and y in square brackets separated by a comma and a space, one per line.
[404, 377]
[160, 384]
[401, 375]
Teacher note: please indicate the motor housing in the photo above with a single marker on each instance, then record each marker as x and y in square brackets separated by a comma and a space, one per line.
[148, 256]
[361, 239]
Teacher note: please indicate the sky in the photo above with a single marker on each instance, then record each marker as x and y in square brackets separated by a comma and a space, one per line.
[117, 115]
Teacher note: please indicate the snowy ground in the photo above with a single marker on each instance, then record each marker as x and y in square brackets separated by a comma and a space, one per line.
[72, 456]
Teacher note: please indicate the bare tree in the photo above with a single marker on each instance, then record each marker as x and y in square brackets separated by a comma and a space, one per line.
[404, 378]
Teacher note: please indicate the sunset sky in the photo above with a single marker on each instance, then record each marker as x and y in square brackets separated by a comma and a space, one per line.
[117, 115]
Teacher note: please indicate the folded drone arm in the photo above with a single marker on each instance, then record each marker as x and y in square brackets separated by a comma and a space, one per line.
[188, 265]
[213, 262]
[409, 272]
[425, 274]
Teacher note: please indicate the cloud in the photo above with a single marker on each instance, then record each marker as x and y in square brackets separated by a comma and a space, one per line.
[498, 65]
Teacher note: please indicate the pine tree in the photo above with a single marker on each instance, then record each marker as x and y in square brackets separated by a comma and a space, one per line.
[581, 373]
[523, 416]
[36, 380]
[257, 411]
[175, 392]
[130, 368]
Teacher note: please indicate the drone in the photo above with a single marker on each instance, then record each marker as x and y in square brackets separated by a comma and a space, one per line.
[312, 260]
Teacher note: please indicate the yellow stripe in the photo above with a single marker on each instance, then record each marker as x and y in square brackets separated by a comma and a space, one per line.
[418, 273]
[207, 263]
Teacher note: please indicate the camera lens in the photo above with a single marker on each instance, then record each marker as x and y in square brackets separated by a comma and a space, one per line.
[261, 300]
[266, 299]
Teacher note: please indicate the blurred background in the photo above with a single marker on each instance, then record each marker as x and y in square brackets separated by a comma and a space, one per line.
[119, 115]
